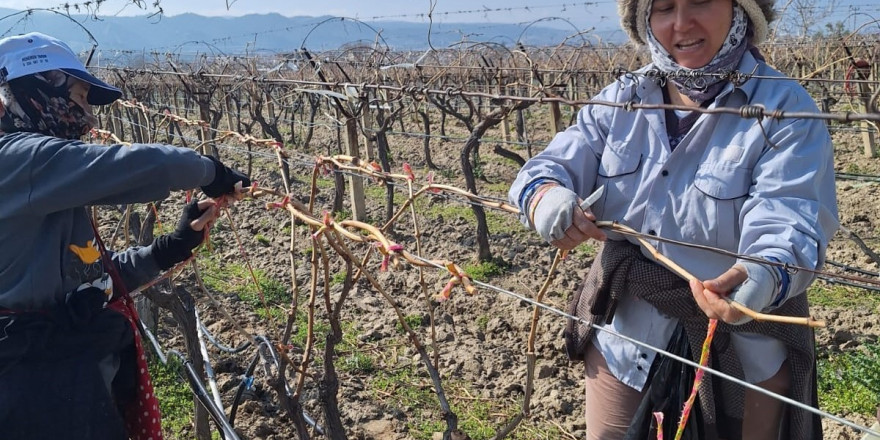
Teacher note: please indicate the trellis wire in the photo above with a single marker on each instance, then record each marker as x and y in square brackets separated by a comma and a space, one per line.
[663, 352]
[307, 162]
[816, 411]
[746, 111]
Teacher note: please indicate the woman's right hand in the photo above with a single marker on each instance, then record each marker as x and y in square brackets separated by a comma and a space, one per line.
[559, 220]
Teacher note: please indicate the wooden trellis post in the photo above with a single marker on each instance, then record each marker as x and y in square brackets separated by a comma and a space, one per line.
[556, 123]
[355, 184]
[226, 111]
[505, 123]
[555, 117]
[865, 95]
[110, 122]
[143, 125]
[366, 122]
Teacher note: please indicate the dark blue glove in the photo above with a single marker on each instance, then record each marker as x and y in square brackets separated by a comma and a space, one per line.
[225, 179]
[170, 249]
[83, 304]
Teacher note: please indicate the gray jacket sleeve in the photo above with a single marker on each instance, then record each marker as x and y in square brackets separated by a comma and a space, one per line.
[571, 159]
[136, 266]
[52, 174]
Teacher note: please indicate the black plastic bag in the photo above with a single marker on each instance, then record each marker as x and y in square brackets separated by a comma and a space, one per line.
[668, 389]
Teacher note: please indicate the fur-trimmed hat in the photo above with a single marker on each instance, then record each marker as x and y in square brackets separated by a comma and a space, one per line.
[633, 12]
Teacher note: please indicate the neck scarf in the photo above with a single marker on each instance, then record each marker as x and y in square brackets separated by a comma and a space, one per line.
[693, 83]
[40, 103]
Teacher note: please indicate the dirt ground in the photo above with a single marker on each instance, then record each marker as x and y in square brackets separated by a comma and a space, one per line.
[481, 338]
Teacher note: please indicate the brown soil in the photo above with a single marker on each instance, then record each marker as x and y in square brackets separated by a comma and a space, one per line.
[481, 338]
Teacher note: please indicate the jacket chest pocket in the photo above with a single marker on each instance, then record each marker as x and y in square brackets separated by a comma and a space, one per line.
[618, 171]
[723, 189]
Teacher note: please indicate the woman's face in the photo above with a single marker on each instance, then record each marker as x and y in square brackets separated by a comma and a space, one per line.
[692, 31]
[79, 93]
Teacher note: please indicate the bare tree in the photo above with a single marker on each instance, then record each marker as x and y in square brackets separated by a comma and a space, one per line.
[802, 18]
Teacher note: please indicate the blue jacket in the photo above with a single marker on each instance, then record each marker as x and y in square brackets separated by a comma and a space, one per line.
[724, 186]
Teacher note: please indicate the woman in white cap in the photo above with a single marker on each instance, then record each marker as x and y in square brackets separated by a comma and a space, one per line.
[762, 189]
[71, 362]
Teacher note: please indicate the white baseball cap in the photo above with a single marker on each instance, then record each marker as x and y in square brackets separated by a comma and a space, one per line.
[31, 53]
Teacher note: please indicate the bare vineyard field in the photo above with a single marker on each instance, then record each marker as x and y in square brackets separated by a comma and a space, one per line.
[372, 353]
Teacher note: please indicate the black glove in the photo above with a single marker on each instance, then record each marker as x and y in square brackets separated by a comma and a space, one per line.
[170, 249]
[225, 179]
[84, 303]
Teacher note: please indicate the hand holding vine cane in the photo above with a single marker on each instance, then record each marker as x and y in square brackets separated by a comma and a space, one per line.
[751, 284]
[673, 266]
[227, 181]
[170, 249]
[710, 295]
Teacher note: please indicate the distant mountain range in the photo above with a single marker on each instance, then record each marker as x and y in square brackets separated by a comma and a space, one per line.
[260, 33]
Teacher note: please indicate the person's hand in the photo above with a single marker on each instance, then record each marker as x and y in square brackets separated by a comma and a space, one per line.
[560, 221]
[227, 181]
[750, 284]
[83, 303]
[170, 249]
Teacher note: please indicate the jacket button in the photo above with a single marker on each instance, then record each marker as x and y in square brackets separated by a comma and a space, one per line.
[664, 173]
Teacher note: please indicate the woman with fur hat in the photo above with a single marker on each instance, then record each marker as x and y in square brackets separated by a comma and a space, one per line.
[763, 189]
[71, 361]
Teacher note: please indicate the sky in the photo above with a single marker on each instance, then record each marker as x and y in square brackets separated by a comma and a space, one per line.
[598, 14]
[511, 11]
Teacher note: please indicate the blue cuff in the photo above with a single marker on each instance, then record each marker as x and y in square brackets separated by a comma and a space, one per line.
[784, 279]
[529, 191]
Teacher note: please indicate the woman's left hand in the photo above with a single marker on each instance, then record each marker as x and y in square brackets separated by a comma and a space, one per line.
[710, 295]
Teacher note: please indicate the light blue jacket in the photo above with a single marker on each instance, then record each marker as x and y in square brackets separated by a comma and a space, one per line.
[724, 186]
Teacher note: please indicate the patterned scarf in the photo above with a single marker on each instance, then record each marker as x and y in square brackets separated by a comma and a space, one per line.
[694, 83]
[40, 103]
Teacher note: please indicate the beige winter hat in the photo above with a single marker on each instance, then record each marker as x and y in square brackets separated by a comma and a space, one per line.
[633, 12]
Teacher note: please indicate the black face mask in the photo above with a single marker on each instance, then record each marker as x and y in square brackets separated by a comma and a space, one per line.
[39, 106]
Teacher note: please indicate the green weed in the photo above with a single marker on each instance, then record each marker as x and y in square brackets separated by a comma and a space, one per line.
[448, 173]
[852, 168]
[849, 382]
[414, 321]
[497, 187]
[586, 249]
[337, 278]
[235, 277]
[175, 398]
[262, 239]
[320, 328]
[410, 389]
[485, 270]
[325, 183]
[836, 295]
[357, 362]
[496, 221]
[374, 192]
[482, 322]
